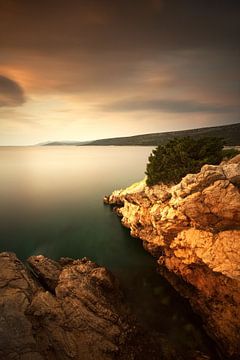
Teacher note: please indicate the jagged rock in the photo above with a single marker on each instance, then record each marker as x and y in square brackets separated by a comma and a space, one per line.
[193, 228]
[217, 206]
[231, 171]
[47, 270]
[234, 160]
[69, 309]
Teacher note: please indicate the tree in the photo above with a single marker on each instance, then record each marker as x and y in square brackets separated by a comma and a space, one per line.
[169, 163]
[230, 153]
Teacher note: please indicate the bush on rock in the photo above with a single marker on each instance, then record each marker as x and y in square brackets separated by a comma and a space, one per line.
[170, 162]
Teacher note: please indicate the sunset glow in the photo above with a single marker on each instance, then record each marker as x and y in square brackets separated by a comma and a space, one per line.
[95, 69]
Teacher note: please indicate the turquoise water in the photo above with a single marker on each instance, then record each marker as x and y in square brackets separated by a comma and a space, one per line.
[51, 204]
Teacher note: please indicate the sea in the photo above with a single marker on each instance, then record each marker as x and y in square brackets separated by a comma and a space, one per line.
[51, 203]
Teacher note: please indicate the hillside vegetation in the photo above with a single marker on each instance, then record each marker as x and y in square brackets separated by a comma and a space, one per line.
[230, 134]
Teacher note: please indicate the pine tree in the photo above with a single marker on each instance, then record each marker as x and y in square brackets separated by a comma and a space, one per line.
[169, 163]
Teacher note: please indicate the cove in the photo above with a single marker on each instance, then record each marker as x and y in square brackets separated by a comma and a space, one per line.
[51, 204]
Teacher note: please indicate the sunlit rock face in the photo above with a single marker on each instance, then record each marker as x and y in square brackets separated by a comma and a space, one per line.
[193, 229]
[70, 309]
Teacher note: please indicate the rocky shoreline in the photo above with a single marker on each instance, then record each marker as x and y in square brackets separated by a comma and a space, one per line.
[193, 231]
[69, 309]
[75, 309]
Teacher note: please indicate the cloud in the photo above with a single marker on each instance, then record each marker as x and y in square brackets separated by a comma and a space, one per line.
[104, 25]
[11, 93]
[176, 60]
[165, 105]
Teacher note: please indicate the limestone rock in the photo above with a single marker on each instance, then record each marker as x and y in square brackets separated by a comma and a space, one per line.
[218, 251]
[194, 230]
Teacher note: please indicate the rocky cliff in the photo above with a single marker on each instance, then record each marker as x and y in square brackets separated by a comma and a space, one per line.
[70, 309]
[193, 230]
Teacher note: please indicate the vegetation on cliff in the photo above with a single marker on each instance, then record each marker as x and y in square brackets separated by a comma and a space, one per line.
[230, 153]
[169, 163]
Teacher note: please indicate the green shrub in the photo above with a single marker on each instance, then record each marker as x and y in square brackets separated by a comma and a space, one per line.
[169, 163]
[230, 153]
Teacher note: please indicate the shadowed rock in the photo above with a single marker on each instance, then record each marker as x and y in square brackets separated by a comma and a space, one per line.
[70, 309]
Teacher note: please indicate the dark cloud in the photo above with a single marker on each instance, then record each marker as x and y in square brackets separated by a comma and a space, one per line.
[103, 46]
[11, 93]
[103, 25]
[166, 105]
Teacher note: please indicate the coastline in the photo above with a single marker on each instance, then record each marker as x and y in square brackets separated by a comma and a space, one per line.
[192, 229]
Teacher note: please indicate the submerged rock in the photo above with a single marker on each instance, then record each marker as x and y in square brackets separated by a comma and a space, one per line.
[193, 229]
[69, 309]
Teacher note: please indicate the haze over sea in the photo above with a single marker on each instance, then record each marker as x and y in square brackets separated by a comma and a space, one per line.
[51, 204]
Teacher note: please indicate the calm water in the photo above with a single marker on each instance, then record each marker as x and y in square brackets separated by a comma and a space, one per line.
[51, 204]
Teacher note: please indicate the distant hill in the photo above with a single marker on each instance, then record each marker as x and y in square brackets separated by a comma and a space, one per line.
[231, 134]
[61, 143]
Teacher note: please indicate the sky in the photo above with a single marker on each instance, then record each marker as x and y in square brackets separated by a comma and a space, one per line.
[89, 69]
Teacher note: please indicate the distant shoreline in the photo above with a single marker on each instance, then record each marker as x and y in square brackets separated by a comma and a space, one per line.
[230, 133]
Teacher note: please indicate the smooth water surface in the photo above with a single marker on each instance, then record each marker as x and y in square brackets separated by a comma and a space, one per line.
[51, 204]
